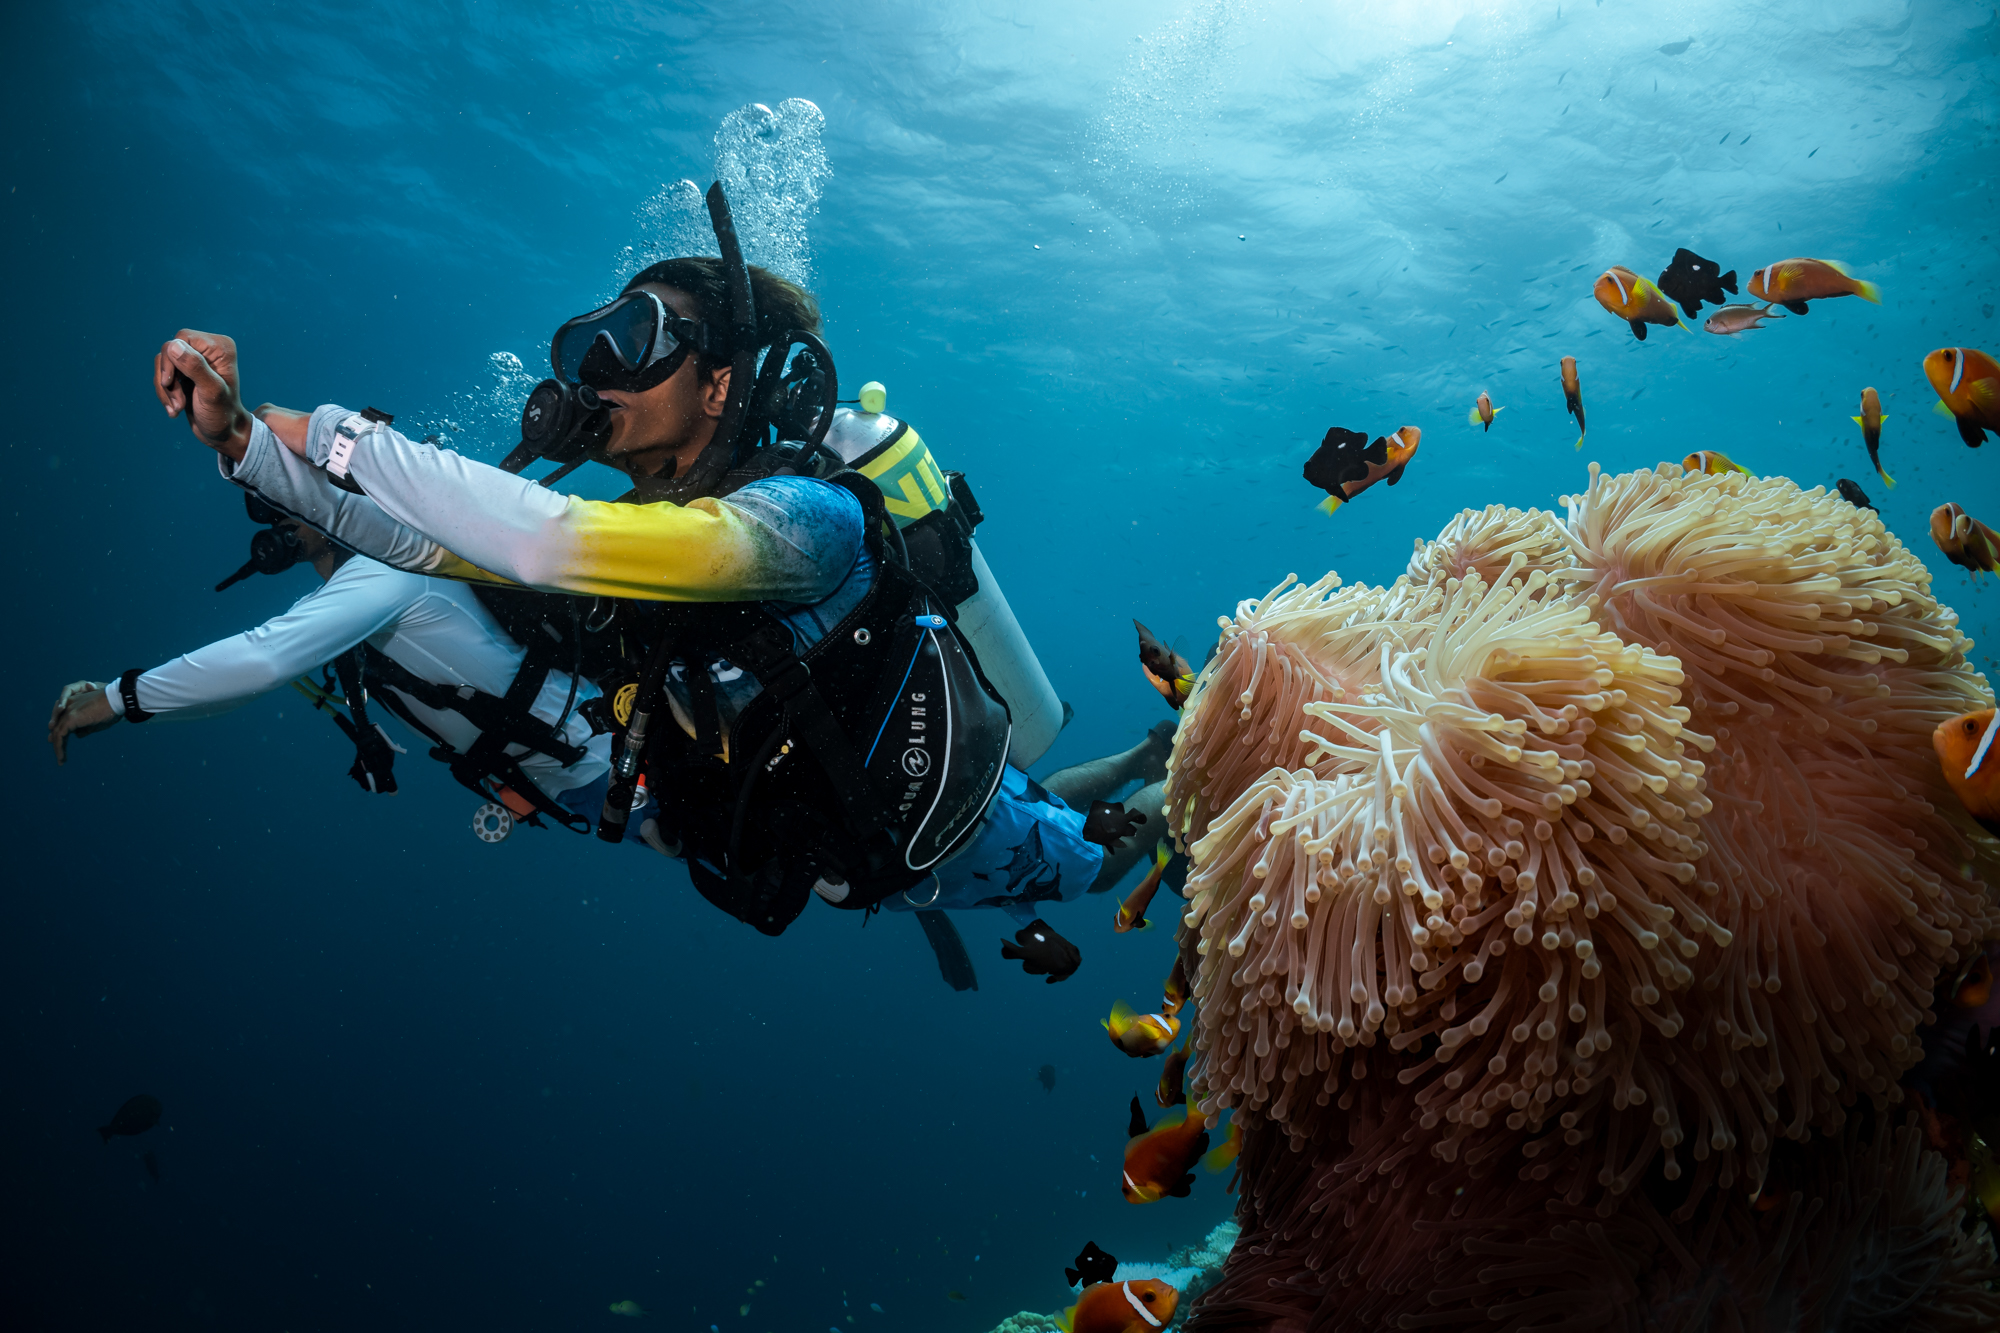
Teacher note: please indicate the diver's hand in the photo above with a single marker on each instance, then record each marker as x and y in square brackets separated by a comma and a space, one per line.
[1110, 824]
[1041, 951]
[83, 708]
[196, 373]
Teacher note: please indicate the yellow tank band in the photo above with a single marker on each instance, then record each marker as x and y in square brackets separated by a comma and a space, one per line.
[911, 483]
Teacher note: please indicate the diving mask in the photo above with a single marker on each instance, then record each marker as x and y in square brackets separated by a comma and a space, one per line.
[631, 345]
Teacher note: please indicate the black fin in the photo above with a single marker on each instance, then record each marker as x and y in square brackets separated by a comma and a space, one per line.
[1138, 1122]
[1396, 476]
[1971, 433]
[1728, 281]
[1796, 307]
[1072, 1275]
[953, 961]
[1639, 329]
[1183, 1188]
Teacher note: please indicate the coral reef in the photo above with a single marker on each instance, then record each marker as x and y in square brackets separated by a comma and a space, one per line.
[1588, 840]
[1192, 1269]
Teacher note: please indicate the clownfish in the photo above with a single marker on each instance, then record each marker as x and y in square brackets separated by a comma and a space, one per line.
[1573, 396]
[1793, 282]
[1968, 388]
[1712, 463]
[1483, 412]
[1634, 299]
[1159, 1161]
[1971, 764]
[1965, 541]
[1870, 421]
[1176, 990]
[1976, 988]
[1141, 1036]
[1172, 1091]
[1132, 912]
[1138, 1306]
[1346, 463]
[1166, 669]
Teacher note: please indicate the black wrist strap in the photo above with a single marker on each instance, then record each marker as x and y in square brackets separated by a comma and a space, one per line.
[128, 691]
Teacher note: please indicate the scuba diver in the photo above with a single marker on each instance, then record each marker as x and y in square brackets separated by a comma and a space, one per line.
[812, 672]
[533, 739]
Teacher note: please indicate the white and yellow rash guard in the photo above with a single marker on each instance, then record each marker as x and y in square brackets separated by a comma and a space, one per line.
[790, 542]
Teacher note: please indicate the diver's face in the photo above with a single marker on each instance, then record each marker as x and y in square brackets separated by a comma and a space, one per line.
[312, 543]
[675, 418]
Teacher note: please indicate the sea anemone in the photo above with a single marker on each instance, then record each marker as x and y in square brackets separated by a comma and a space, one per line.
[1508, 775]
[1820, 663]
[1616, 833]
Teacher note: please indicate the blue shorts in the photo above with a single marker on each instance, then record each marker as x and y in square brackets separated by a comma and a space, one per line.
[1028, 850]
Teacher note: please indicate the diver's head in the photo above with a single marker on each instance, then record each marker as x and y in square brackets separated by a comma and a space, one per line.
[315, 547]
[655, 419]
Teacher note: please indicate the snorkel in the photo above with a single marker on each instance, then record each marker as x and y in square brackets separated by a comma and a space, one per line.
[720, 454]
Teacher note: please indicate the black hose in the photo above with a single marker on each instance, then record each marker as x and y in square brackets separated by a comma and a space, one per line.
[631, 762]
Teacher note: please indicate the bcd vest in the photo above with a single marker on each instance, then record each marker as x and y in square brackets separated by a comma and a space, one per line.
[861, 764]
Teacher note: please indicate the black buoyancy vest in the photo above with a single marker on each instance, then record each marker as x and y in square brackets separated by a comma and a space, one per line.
[861, 763]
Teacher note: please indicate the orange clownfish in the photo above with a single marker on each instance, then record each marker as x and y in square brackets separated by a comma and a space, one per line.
[1176, 990]
[1968, 387]
[1870, 421]
[1712, 463]
[1635, 300]
[1793, 282]
[1168, 670]
[1573, 396]
[1132, 912]
[1173, 1079]
[1976, 988]
[1965, 748]
[1483, 412]
[1965, 541]
[1346, 464]
[1159, 1162]
[1141, 1036]
[1138, 1306]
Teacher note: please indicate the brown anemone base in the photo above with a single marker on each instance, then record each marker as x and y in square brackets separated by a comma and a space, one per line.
[1859, 1232]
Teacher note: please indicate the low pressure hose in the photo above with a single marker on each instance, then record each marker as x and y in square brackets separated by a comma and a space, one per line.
[617, 810]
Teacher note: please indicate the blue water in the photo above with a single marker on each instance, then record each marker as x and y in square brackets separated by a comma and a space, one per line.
[1122, 263]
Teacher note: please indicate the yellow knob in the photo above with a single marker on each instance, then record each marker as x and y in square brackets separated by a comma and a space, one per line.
[873, 396]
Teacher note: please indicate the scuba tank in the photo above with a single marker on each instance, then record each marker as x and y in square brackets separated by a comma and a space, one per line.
[937, 513]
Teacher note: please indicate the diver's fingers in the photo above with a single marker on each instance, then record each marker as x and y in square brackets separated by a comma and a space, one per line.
[59, 729]
[168, 382]
[192, 366]
[217, 349]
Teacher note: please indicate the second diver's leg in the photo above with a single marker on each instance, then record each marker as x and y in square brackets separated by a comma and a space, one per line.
[1118, 864]
[1095, 779]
